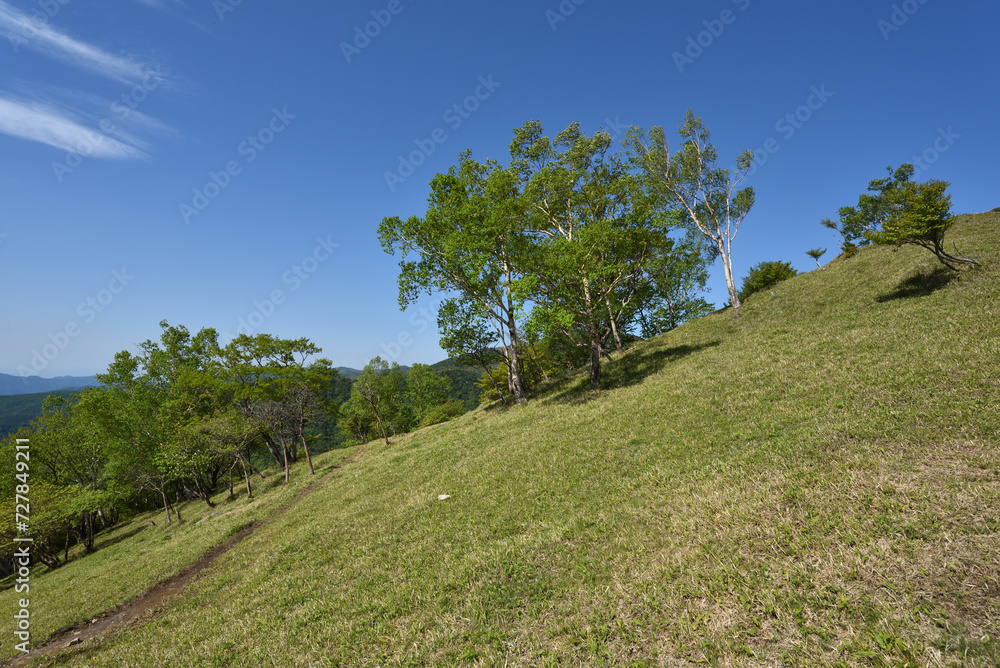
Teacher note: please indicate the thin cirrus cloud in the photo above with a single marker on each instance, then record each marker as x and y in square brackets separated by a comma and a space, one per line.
[24, 31]
[66, 124]
[38, 122]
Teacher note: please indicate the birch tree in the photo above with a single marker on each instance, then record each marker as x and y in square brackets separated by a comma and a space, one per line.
[690, 180]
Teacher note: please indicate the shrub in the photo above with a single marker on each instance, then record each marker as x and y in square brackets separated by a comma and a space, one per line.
[765, 275]
[443, 412]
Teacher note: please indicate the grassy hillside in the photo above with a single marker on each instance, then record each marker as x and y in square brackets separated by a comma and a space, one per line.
[813, 483]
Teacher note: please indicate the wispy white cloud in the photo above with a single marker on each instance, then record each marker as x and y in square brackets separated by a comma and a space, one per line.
[24, 31]
[36, 121]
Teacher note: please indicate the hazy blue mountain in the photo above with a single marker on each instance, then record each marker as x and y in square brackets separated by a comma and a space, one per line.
[32, 384]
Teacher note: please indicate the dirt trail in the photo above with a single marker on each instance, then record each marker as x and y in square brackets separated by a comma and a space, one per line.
[117, 619]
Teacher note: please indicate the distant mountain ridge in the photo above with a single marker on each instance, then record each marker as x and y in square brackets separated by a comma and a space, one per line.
[33, 384]
[18, 410]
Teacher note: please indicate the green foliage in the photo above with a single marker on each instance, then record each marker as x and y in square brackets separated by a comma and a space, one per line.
[691, 183]
[765, 275]
[468, 243]
[816, 254]
[18, 410]
[491, 382]
[469, 340]
[443, 412]
[425, 389]
[571, 227]
[356, 421]
[463, 381]
[899, 211]
[677, 279]
[596, 229]
[380, 391]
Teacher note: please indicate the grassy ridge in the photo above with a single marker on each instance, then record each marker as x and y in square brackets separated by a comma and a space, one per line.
[814, 483]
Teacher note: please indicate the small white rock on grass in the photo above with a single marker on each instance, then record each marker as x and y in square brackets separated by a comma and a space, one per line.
[444, 497]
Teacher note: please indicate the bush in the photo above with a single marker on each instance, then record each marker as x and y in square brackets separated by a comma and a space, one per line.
[765, 275]
[443, 412]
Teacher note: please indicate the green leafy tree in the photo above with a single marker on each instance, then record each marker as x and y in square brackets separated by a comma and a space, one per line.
[594, 231]
[677, 278]
[898, 211]
[765, 275]
[380, 388]
[133, 414]
[467, 338]
[489, 381]
[709, 196]
[851, 235]
[277, 383]
[468, 242]
[816, 254]
[356, 420]
[425, 389]
[443, 412]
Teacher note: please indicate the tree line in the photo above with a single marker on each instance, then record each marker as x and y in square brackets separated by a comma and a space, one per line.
[571, 243]
[573, 248]
[185, 417]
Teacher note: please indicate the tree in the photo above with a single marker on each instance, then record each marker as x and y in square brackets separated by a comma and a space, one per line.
[356, 420]
[134, 415]
[900, 211]
[594, 231]
[676, 279]
[690, 180]
[425, 389]
[273, 382]
[765, 275]
[816, 254]
[380, 388]
[851, 236]
[468, 242]
[467, 338]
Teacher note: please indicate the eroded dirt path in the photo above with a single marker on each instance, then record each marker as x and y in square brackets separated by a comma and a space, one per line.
[117, 619]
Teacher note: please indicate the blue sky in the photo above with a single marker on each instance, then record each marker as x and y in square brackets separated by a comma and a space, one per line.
[224, 164]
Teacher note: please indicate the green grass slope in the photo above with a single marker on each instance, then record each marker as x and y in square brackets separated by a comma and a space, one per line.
[813, 483]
